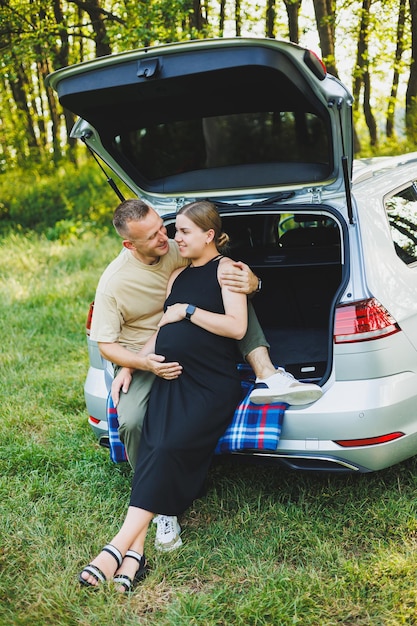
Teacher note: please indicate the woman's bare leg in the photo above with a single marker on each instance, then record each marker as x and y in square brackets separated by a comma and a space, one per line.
[129, 566]
[132, 536]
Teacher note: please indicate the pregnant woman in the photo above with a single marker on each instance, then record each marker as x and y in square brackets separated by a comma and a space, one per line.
[187, 415]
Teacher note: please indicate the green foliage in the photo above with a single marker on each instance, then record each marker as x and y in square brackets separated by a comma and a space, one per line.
[160, 21]
[61, 203]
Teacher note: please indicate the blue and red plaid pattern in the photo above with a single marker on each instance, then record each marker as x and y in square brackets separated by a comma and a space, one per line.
[117, 449]
[253, 427]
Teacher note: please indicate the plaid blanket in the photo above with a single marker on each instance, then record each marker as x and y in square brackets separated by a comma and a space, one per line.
[253, 427]
[117, 449]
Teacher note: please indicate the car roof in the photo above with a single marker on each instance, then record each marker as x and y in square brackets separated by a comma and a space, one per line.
[369, 168]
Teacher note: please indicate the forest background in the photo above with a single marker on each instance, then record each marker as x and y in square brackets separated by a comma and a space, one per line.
[370, 44]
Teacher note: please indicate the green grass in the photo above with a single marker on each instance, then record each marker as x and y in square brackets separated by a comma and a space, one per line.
[265, 546]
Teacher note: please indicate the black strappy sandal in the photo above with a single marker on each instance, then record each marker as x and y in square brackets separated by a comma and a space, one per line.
[96, 572]
[125, 581]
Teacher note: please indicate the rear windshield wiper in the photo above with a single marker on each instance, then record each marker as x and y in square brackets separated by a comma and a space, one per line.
[279, 197]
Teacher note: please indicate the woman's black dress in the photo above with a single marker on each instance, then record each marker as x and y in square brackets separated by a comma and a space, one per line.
[188, 415]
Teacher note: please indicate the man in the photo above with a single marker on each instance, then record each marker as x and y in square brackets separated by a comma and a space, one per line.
[127, 308]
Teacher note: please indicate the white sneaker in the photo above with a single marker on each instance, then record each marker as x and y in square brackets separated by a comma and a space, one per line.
[283, 387]
[167, 533]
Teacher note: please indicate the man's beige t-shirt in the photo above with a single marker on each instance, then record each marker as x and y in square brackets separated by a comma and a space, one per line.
[130, 298]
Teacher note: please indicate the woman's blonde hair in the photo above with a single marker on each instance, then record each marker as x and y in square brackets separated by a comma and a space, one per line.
[205, 215]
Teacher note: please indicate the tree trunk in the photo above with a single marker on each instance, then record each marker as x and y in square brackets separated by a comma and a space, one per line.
[361, 73]
[222, 17]
[238, 18]
[60, 59]
[395, 80]
[9, 141]
[293, 11]
[270, 19]
[325, 12]
[364, 38]
[97, 21]
[367, 109]
[411, 94]
[53, 113]
[19, 85]
[360, 66]
[196, 17]
[97, 16]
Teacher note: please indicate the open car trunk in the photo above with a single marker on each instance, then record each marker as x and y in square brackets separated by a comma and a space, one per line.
[300, 259]
[223, 118]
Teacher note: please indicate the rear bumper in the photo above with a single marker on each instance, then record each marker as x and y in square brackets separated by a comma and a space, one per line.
[350, 410]
[362, 460]
[347, 410]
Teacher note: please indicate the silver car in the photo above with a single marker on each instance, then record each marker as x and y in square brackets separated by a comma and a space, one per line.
[260, 128]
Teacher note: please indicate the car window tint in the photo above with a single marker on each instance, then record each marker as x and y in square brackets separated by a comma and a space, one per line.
[204, 143]
[402, 216]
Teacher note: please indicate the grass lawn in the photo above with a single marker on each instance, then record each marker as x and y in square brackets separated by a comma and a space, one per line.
[265, 546]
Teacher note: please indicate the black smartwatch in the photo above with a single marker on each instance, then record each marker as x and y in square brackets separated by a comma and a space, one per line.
[189, 311]
[259, 285]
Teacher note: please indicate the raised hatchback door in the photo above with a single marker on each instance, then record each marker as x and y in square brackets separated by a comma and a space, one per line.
[213, 117]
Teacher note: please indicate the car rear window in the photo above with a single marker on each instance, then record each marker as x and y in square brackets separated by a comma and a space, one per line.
[250, 139]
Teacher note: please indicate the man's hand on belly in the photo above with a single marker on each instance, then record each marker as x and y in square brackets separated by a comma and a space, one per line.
[157, 365]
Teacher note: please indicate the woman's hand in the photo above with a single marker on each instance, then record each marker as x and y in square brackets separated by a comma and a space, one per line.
[174, 313]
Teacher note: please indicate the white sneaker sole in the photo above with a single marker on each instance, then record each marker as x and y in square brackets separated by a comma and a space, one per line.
[263, 395]
[168, 547]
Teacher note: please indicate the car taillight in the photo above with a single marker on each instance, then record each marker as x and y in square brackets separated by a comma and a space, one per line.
[89, 318]
[369, 441]
[363, 321]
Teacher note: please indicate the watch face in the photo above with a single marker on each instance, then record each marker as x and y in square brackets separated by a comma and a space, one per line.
[189, 311]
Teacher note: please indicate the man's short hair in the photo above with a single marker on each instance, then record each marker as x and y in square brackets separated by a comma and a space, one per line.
[129, 210]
